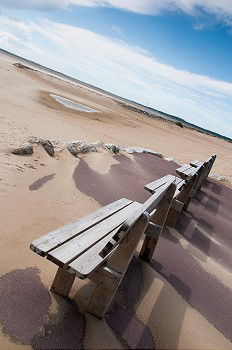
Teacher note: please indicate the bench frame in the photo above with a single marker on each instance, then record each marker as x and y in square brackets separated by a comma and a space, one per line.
[170, 195]
[117, 253]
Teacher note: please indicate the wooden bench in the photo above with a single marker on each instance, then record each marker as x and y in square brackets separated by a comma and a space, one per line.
[100, 245]
[208, 165]
[181, 196]
[201, 169]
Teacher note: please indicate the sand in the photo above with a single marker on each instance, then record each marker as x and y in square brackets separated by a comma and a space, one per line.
[27, 110]
[181, 300]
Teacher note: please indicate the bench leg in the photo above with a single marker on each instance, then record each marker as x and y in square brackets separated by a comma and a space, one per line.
[107, 285]
[159, 218]
[63, 282]
[184, 196]
[109, 277]
[148, 248]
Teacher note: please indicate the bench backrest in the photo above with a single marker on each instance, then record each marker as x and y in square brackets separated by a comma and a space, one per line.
[145, 212]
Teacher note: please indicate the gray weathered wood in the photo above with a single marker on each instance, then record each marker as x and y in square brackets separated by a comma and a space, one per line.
[153, 230]
[148, 207]
[159, 218]
[183, 196]
[196, 163]
[70, 250]
[46, 243]
[177, 205]
[118, 262]
[63, 282]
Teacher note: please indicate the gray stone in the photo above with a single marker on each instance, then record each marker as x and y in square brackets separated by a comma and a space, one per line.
[82, 147]
[113, 148]
[48, 146]
[24, 149]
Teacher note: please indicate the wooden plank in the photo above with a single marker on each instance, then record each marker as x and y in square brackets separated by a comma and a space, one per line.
[106, 276]
[153, 230]
[159, 219]
[70, 250]
[196, 163]
[119, 261]
[91, 259]
[183, 197]
[183, 168]
[148, 207]
[177, 205]
[54, 239]
[154, 185]
[63, 282]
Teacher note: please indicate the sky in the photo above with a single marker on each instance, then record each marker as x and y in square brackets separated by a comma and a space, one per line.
[172, 55]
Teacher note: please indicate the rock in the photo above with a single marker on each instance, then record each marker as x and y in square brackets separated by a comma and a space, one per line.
[24, 149]
[113, 148]
[48, 146]
[73, 149]
[138, 149]
[82, 147]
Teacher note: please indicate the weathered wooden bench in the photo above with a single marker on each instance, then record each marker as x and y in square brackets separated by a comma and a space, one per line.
[100, 245]
[181, 196]
[208, 165]
[201, 169]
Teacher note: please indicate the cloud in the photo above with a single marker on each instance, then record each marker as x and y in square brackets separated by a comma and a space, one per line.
[123, 69]
[219, 7]
[117, 29]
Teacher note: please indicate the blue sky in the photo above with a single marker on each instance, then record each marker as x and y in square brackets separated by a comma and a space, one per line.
[175, 55]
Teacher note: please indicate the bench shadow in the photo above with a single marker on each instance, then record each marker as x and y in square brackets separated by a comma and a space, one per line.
[117, 183]
[122, 317]
[211, 203]
[195, 232]
[63, 330]
[168, 311]
[25, 317]
[213, 186]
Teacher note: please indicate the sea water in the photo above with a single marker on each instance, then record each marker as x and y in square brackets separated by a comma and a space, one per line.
[73, 105]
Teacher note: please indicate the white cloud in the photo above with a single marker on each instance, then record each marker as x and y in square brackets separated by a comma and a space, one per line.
[123, 69]
[219, 7]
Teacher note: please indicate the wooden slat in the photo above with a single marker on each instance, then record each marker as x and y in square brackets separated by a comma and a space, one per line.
[154, 185]
[183, 168]
[70, 250]
[147, 208]
[54, 239]
[91, 259]
[195, 163]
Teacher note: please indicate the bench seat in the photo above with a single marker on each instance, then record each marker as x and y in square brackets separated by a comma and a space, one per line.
[75, 247]
[154, 185]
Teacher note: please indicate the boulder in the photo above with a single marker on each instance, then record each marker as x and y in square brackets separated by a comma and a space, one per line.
[22, 150]
[113, 148]
[82, 147]
[48, 146]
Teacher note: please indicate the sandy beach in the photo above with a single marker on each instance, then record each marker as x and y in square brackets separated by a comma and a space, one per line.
[182, 300]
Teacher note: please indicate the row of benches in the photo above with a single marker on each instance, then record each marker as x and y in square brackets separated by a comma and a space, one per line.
[101, 245]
